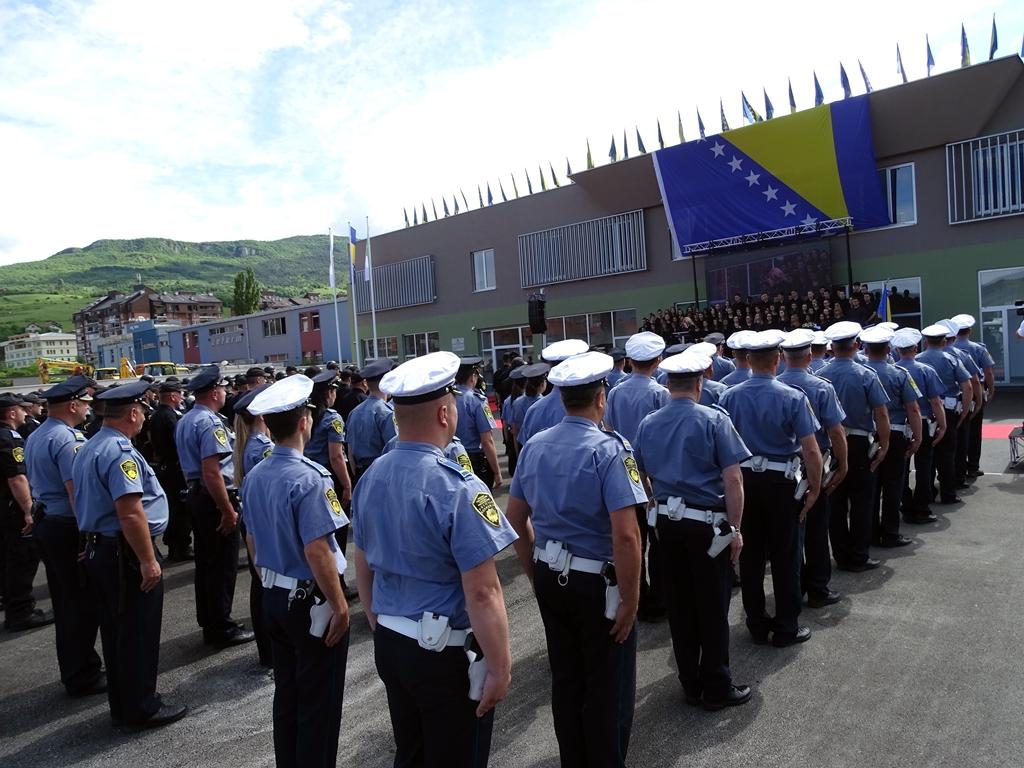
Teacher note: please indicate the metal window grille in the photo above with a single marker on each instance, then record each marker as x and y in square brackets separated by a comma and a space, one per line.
[400, 284]
[597, 248]
[985, 177]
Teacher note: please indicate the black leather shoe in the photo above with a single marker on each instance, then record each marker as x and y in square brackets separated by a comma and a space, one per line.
[951, 500]
[961, 484]
[181, 555]
[167, 714]
[820, 601]
[351, 593]
[38, 618]
[921, 519]
[652, 614]
[976, 473]
[803, 634]
[898, 541]
[760, 639]
[738, 694]
[99, 685]
[868, 565]
[233, 636]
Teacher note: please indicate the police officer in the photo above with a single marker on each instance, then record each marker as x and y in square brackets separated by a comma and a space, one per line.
[956, 392]
[516, 385]
[831, 437]
[722, 366]
[178, 536]
[549, 410]
[476, 422]
[904, 436]
[633, 399]
[49, 453]
[352, 396]
[971, 406]
[742, 370]
[618, 373]
[867, 425]
[819, 350]
[535, 377]
[691, 455]
[33, 406]
[778, 426]
[573, 504]
[326, 445]
[204, 449]
[371, 423]
[121, 508]
[980, 354]
[915, 505]
[20, 560]
[301, 566]
[710, 390]
[423, 602]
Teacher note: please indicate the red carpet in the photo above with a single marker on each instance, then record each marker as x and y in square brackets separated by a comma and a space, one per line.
[996, 431]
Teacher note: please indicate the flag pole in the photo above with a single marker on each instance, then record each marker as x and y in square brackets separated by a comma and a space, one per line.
[352, 297]
[369, 276]
[334, 288]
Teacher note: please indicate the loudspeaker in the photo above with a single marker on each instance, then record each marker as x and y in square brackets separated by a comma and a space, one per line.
[538, 323]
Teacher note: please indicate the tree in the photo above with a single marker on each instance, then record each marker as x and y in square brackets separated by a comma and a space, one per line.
[247, 295]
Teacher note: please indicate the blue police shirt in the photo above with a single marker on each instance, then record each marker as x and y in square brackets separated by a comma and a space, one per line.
[258, 447]
[454, 451]
[823, 399]
[660, 377]
[106, 468]
[951, 372]
[771, 417]
[928, 384]
[544, 414]
[475, 417]
[370, 425]
[966, 360]
[289, 502]
[330, 429]
[422, 521]
[738, 375]
[817, 363]
[573, 476]
[978, 353]
[199, 434]
[899, 387]
[616, 375]
[859, 390]
[711, 391]
[684, 448]
[49, 454]
[519, 409]
[721, 366]
[631, 401]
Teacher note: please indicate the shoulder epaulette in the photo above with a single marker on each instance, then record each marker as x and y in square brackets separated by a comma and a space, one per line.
[124, 443]
[318, 467]
[448, 463]
[625, 443]
[717, 407]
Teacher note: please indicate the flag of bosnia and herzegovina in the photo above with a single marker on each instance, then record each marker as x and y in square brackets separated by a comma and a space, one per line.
[801, 169]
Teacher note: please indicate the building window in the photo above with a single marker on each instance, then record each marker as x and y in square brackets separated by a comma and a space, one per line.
[985, 177]
[275, 358]
[275, 326]
[400, 284]
[899, 192]
[314, 321]
[904, 299]
[304, 323]
[417, 344]
[598, 329]
[387, 346]
[483, 270]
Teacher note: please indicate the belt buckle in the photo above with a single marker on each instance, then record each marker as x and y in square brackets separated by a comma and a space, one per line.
[709, 517]
[758, 463]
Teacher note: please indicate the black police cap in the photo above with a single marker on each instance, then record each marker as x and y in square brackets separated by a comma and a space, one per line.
[73, 388]
[206, 378]
[618, 353]
[10, 400]
[534, 371]
[244, 399]
[124, 393]
[326, 379]
[376, 369]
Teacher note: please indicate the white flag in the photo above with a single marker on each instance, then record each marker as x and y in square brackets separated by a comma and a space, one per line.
[368, 267]
[330, 249]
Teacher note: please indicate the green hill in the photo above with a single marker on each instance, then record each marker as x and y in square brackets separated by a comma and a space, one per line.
[54, 288]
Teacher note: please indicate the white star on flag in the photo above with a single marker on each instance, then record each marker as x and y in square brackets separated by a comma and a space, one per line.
[789, 209]
[718, 149]
[735, 163]
[770, 194]
[809, 221]
[752, 179]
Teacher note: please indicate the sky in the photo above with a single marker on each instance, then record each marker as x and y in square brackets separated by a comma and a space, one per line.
[221, 120]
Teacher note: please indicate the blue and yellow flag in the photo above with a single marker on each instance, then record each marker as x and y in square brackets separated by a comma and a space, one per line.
[863, 74]
[884, 310]
[590, 158]
[640, 142]
[931, 59]
[700, 125]
[819, 97]
[965, 50]
[721, 110]
[993, 44]
[769, 110]
[792, 100]
[899, 62]
[802, 169]
[682, 136]
[845, 80]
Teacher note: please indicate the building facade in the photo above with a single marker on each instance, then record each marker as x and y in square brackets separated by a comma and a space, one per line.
[949, 152]
[23, 349]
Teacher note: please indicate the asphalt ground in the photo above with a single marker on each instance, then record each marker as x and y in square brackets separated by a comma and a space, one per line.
[918, 665]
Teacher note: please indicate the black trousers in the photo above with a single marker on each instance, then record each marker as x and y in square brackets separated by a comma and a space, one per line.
[130, 622]
[890, 481]
[20, 563]
[698, 590]
[944, 457]
[511, 450]
[963, 439]
[433, 719]
[74, 614]
[482, 468]
[178, 535]
[652, 594]
[593, 678]
[974, 441]
[216, 566]
[771, 532]
[916, 502]
[309, 685]
[850, 517]
[817, 560]
[260, 627]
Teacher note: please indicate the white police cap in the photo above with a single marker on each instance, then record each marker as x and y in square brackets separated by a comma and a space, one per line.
[284, 395]
[644, 346]
[686, 363]
[581, 369]
[876, 334]
[906, 337]
[704, 347]
[1020, 330]
[952, 329]
[936, 330]
[844, 329]
[422, 378]
[798, 338]
[769, 339]
[964, 321]
[890, 325]
[735, 341]
[562, 350]
[819, 339]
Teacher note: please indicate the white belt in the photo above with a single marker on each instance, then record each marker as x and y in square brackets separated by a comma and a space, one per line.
[859, 432]
[952, 404]
[677, 510]
[904, 429]
[762, 463]
[411, 628]
[580, 564]
[271, 579]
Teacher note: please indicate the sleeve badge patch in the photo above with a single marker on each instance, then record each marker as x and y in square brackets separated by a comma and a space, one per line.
[267, 452]
[130, 469]
[464, 462]
[487, 509]
[338, 426]
[631, 469]
[220, 435]
[333, 501]
[19, 454]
